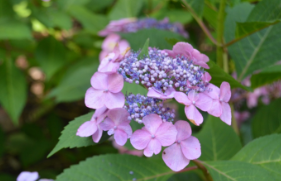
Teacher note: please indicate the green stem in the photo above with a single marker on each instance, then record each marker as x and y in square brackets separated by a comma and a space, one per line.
[204, 170]
[220, 39]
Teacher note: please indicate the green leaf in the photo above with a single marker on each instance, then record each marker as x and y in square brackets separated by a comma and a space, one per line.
[237, 171]
[144, 51]
[190, 175]
[266, 76]
[174, 15]
[12, 29]
[125, 9]
[93, 23]
[2, 142]
[218, 140]
[197, 6]
[157, 38]
[263, 152]
[75, 81]
[219, 75]
[65, 4]
[133, 88]
[50, 54]
[116, 168]
[97, 5]
[267, 120]
[13, 89]
[68, 138]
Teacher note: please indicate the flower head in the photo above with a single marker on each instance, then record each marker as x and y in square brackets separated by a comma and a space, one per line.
[28, 176]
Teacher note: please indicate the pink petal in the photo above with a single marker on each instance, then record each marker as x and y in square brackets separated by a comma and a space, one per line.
[87, 129]
[193, 115]
[206, 77]
[123, 45]
[120, 137]
[99, 81]
[152, 122]
[193, 96]
[212, 91]
[140, 139]
[102, 55]
[182, 48]
[154, 146]
[203, 102]
[107, 65]
[166, 134]
[97, 135]
[115, 82]
[182, 98]
[28, 176]
[119, 115]
[169, 94]
[216, 109]
[126, 128]
[110, 41]
[114, 100]
[226, 113]
[107, 124]
[200, 59]
[225, 92]
[191, 148]
[183, 129]
[174, 158]
[100, 114]
[94, 98]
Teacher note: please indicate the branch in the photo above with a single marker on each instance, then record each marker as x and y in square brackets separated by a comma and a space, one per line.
[204, 170]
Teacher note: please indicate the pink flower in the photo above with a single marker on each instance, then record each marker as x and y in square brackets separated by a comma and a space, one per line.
[192, 101]
[154, 135]
[186, 148]
[168, 94]
[188, 51]
[92, 127]
[124, 150]
[105, 91]
[116, 26]
[117, 123]
[220, 107]
[28, 176]
[252, 99]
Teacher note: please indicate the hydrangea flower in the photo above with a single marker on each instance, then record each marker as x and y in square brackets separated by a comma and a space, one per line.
[168, 94]
[154, 135]
[185, 148]
[30, 176]
[105, 91]
[116, 26]
[117, 123]
[92, 127]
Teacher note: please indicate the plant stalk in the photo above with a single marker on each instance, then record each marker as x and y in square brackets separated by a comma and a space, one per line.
[204, 170]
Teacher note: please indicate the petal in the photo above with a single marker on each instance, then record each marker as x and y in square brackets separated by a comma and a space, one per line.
[154, 146]
[123, 45]
[174, 158]
[99, 81]
[102, 55]
[28, 176]
[120, 137]
[166, 134]
[226, 113]
[94, 98]
[115, 82]
[225, 92]
[153, 93]
[87, 129]
[193, 96]
[100, 114]
[216, 109]
[140, 139]
[114, 100]
[193, 115]
[182, 98]
[168, 94]
[107, 124]
[212, 91]
[108, 66]
[110, 41]
[191, 148]
[183, 129]
[206, 77]
[152, 122]
[126, 128]
[119, 115]
[203, 102]
[182, 48]
[97, 136]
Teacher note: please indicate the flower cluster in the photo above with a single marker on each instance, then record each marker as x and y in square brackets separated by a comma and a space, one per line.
[133, 25]
[182, 69]
[30, 176]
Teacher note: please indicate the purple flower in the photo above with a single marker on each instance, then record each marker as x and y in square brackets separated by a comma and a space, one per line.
[28, 176]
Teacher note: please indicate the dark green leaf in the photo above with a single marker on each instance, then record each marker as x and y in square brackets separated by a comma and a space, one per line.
[263, 152]
[50, 55]
[12, 29]
[2, 142]
[186, 176]
[174, 15]
[7, 177]
[13, 89]
[266, 76]
[144, 51]
[218, 140]
[125, 9]
[68, 138]
[65, 4]
[117, 168]
[267, 120]
[97, 5]
[197, 6]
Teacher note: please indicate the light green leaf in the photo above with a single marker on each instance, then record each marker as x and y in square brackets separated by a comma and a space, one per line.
[144, 51]
[263, 152]
[267, 120]
[133, 88]
[125, 9]
[117, 168]
[68, 138]
[12, 29]
[13, 89]
[211, 16]
[197, 6]
[93, 23]
[237, 171]
[266, 76]
[174, 15]
[218, 140]
[76, 81]
[157, 38]
[218, 76]
[50, 55]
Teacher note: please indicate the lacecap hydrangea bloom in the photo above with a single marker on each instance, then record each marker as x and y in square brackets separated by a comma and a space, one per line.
[167, 74]
[30, 176]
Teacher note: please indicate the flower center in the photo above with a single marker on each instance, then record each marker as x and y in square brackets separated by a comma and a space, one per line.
[153, 136]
